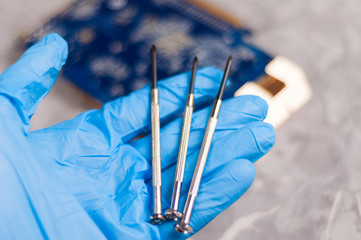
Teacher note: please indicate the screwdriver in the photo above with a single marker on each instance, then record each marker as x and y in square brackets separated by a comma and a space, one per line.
[157, 217]
[173, 213]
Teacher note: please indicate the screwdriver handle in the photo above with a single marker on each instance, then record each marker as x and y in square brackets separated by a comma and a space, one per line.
[186, 127]
[156, 163]
[201, 162]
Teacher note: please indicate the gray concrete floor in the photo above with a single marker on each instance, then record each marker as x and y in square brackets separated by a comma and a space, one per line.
[308, 187]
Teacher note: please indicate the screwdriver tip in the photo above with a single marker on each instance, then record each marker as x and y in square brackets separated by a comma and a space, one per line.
[227, 70]
[229, 61]
[154, 48]
[194, 70]
[154, 66]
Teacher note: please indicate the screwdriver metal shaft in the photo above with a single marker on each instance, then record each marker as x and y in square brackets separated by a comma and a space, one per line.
[157, 217]
[183, 226]
[173, 213]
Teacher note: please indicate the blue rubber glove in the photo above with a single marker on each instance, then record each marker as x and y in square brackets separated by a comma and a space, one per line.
[86, 179]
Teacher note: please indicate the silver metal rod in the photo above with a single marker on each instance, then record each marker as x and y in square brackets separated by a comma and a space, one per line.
[157, 217]
[156, 145]
[173, 212]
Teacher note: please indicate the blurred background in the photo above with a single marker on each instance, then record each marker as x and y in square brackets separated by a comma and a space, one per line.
[308, 186]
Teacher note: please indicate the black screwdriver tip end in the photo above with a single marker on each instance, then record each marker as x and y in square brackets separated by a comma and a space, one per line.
[154, 66]
[194, 70]
[227, 70]
[154, 48]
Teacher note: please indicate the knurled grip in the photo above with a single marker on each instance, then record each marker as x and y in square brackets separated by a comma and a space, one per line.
[156, 161]
[201, 162]
[183, 146]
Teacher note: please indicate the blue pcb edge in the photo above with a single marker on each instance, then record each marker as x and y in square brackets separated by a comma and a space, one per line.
[109, 44]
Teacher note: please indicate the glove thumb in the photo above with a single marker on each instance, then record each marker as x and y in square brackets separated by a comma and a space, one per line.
[28, 81]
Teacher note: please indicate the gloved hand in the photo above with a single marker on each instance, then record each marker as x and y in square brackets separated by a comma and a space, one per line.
[86, 179]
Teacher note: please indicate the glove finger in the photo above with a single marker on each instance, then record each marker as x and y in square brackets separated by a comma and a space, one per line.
[218, 190]
[250, 142]
[100, 132]
[26, 83]
[235, 113]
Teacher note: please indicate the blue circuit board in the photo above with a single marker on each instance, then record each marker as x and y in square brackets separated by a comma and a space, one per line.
[110, 40]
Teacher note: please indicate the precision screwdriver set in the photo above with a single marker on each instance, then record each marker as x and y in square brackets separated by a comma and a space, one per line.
[173, 213]
[109, 42]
